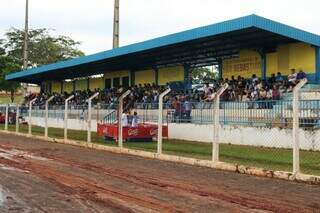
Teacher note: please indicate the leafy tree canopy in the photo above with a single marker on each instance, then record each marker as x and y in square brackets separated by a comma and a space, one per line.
[204, 74]
[7, 65]
[43, 48]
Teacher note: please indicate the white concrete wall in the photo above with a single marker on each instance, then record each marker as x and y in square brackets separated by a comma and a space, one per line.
[266, 137]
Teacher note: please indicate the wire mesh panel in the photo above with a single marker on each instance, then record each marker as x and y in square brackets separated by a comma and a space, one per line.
[257, 134]
[309, 135]
[2, 115]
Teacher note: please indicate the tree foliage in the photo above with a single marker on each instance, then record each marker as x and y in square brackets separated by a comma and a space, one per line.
[43, 48]
[7, 65]
[204, 74]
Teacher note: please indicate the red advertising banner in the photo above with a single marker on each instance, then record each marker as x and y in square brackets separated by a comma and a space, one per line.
[143, 131]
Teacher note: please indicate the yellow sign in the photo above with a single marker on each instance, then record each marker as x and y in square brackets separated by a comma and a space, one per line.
[248, 63]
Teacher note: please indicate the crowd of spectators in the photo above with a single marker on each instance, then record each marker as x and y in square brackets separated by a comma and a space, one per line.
[147, 95]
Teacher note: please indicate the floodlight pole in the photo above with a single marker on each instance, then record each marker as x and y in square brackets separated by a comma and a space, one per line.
[116, 24]
[30, 114]
[216, 125]
[89, 116]
[160, 120]
[46, 117]
[66, 117]
[120, 127]
[295, 125]
[17, 119]
[25, 48]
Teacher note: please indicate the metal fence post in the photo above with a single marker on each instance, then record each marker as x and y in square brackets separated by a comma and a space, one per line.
[295, 125]
[30, 114]
[66, 117]
[6, 118]
[46, 117]
[120, 127]
[160, 120]
[17, 119]
[89, 116]
[216, 125]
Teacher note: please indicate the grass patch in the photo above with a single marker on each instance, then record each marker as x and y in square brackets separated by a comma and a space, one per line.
[7, 99]
[267, 158]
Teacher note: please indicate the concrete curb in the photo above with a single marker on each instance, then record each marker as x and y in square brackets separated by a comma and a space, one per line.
[310, 179]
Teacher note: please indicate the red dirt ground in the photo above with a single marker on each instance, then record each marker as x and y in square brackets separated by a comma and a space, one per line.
[38, 176]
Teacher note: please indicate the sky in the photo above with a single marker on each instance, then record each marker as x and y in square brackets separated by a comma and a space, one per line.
[90, 21]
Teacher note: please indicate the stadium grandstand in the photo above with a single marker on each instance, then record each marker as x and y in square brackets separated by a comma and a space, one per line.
[260, 60]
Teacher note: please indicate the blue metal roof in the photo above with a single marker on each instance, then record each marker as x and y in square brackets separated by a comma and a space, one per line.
[189, 35]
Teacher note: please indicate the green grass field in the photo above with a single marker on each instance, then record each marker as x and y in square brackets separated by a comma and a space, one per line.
[267, 158]
[7, 99]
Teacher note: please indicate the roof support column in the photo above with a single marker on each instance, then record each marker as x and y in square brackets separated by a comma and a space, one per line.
[187, 76]
[132, 78]
[317, 76]
[220, 68]
[263, 65]
[156, 75]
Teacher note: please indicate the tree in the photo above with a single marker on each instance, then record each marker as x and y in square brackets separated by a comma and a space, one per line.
[7, 65]
[43, 47]
[203, 74]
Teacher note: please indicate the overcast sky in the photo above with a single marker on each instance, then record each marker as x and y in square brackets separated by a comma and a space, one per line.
[90, 21]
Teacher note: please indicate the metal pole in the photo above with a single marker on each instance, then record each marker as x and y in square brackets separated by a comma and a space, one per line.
[120, 127]
[216, 126]
[17, 119]
[30, 110]
[46, 116]
[295, 126]
[25, 49]
[116, 24]
[6, 118]
[89, 116]
[160, 120]
[66, 117]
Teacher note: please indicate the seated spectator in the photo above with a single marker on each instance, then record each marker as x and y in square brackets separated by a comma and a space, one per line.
[292, 79]
[279, 78]
[301, 75]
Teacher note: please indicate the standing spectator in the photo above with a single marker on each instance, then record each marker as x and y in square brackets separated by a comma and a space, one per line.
[187, 109]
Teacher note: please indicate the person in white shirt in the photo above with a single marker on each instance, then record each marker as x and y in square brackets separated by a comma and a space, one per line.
[124, 119]
[135, 120]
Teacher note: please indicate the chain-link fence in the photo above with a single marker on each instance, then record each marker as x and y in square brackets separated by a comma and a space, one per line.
[252, 133]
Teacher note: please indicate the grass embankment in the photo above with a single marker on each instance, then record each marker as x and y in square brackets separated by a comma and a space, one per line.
[268, 158]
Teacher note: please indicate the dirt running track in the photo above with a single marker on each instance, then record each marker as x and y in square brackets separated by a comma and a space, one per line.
[37, 176]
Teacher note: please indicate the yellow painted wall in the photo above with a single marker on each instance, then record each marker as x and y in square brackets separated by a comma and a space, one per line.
[56, 87]
[302, 56]
[170, 74]
[117, 74]
[248, 63]
[272, 64]
[145, 77]
[292, 56]
[289, 56]
[96, 83]
[68, 86]
[82, 84]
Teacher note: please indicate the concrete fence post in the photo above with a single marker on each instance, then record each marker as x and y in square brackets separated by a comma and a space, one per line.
[30, 118]
[120, 127]
[216, 125]
[65, 137]
[295, 125]
[17, 118]
[46, 116]
[89, 116]
[6, 118]
[160, 120]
